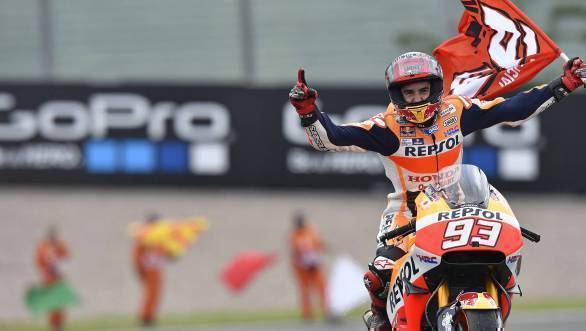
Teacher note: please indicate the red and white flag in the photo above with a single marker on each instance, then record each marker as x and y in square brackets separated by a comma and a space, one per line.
[497, 49]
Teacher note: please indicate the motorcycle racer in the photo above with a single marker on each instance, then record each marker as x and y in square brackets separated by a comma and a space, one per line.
[419, 140]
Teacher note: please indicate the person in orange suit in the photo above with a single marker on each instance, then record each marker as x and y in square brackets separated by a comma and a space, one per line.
[149, 262]
[306, 250]
[50, 255]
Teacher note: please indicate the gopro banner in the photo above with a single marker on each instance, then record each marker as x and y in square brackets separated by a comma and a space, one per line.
[237, 137]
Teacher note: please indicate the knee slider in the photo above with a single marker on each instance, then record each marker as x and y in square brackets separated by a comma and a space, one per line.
[374, 284]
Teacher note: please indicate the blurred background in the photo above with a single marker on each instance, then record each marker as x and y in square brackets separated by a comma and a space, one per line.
[111, 111]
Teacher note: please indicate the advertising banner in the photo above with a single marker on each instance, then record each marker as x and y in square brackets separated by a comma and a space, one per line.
[239, 137]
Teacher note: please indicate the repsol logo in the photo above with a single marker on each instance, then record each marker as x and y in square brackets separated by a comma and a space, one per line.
[408, 270]
[428, 150]
[71, 120]
[469, 212]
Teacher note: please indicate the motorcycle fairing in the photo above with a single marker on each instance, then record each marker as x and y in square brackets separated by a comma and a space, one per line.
[483, 224]
[410, 268]
[425, 255]
[514, 263]
[431, 202]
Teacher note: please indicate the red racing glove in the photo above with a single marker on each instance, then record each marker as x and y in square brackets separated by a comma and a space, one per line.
[571, 79]
[302, 97]
[574, 72]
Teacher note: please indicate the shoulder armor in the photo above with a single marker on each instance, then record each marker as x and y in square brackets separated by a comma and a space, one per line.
[458, 100]
[390, 116]
[378, 120]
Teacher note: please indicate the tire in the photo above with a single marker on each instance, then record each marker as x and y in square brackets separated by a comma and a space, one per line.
[478, 320]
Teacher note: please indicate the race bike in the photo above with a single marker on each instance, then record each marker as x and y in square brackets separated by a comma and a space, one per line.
[462, 265]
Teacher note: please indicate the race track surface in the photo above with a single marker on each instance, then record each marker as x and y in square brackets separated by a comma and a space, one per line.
[535, 321]
[94, 223]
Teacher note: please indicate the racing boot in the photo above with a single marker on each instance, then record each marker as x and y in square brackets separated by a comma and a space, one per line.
[376, 319]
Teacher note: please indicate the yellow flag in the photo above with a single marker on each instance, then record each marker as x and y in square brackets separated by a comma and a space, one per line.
[172, 236]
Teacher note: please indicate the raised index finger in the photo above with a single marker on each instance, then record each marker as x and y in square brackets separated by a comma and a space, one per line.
[301, 76]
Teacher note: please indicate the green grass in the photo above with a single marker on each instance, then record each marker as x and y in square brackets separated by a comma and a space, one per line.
[530, 305]
[219, 318]
[127, 322]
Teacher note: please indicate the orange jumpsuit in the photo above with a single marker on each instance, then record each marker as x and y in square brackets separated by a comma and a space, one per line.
[306, 248]
[149, 262]
[49, 257]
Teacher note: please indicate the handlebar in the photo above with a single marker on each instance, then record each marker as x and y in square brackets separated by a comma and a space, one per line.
[402, 231]
[531, 236]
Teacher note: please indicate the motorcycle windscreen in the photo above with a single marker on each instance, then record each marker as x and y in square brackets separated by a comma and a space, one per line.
[470, 190]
